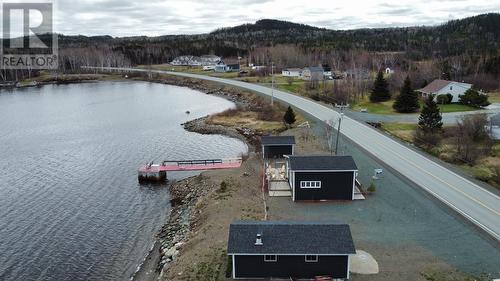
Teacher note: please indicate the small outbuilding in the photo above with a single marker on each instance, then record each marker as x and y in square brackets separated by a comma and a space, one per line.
[277, 146]
[321, 177]
[289, 249]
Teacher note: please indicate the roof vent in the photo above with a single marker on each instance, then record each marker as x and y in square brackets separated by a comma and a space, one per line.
[258, 240]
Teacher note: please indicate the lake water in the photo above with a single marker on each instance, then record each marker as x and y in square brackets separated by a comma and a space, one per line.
[70, 204]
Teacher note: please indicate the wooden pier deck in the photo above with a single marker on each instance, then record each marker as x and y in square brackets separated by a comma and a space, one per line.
[191, 165]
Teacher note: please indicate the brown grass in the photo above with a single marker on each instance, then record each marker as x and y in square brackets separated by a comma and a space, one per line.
[486, 169]
[247, 119]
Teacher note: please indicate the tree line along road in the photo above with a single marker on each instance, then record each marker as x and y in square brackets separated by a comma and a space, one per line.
[472, 201]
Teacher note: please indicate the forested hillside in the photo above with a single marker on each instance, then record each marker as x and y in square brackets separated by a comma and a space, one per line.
[473, 41]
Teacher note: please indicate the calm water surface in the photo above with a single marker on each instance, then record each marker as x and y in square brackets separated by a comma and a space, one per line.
[70, 204]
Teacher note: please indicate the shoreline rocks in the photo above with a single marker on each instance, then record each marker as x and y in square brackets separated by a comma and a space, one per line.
[172, 236]
[186, 194]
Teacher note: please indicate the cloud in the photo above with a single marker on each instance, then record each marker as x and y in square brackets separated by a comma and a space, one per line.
[157, 17]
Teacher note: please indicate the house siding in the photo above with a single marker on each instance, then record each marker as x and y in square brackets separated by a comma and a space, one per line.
[334, 186]
[254, 266]
[456, 91]
[277, 151]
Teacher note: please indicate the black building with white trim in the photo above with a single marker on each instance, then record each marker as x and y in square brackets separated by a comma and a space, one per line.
[289, 249]
[321, 177]
[277, 146]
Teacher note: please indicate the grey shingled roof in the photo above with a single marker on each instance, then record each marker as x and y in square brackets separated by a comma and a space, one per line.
[290, 237]
[322, 162]
[314, 68]
[277, 140]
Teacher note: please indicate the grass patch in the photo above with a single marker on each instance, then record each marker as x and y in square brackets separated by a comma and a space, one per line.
[487, 169]
[451, 276]
[375, 107]
[494, 97]
[404, 131]
[214, 267]
[46, 77]
[399, 126]
[455, 107]
[385, 108]
[248, 119]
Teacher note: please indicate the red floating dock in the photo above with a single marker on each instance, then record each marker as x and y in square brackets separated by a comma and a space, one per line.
[159, 171]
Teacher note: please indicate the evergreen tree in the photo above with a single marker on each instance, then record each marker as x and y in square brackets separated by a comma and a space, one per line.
[380, 91]
[407, 100]
[289, 116]
[474, 98]
[430, 117]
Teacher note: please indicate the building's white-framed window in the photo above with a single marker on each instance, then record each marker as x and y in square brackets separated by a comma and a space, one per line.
[310, 184]
[311, 258]
[270, 258]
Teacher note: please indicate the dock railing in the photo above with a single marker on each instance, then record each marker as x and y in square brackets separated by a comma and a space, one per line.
[203, 162]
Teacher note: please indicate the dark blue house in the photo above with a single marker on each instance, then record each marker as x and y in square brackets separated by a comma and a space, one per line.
[321, 177]
[289, 249]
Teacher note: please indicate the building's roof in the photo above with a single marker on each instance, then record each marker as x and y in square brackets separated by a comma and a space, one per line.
[231, 61]
[314, 68]
[290, 237]
[322, 162]
[434, 86]
[277, 140]
[438, 84]
[293, 69]
[214, 57]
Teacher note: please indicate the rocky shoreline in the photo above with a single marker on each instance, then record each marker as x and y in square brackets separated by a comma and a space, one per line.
[201, 126]
[186, 194]
[185, 197]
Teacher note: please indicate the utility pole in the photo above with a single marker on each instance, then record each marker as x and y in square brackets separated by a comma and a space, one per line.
[338, 134]
[272, 83]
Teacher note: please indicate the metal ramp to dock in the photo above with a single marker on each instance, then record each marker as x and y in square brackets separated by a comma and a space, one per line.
[277, 183]
[279, 189]
[358, 195]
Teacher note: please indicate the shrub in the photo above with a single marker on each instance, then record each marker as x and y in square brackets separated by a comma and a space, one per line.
[223, 187]
[472, 139]
[474, 98]
[372, 187]
[450, 97]
[426, 139]
[444, 99]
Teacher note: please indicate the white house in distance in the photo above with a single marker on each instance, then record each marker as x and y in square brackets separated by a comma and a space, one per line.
[312, 73]
[291, 72]
[188, 60]
[443, 87]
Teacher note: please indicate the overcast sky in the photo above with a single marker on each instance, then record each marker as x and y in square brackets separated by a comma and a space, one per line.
[161, 17]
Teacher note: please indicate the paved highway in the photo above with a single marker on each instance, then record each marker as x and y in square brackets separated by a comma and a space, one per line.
[467, 198]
